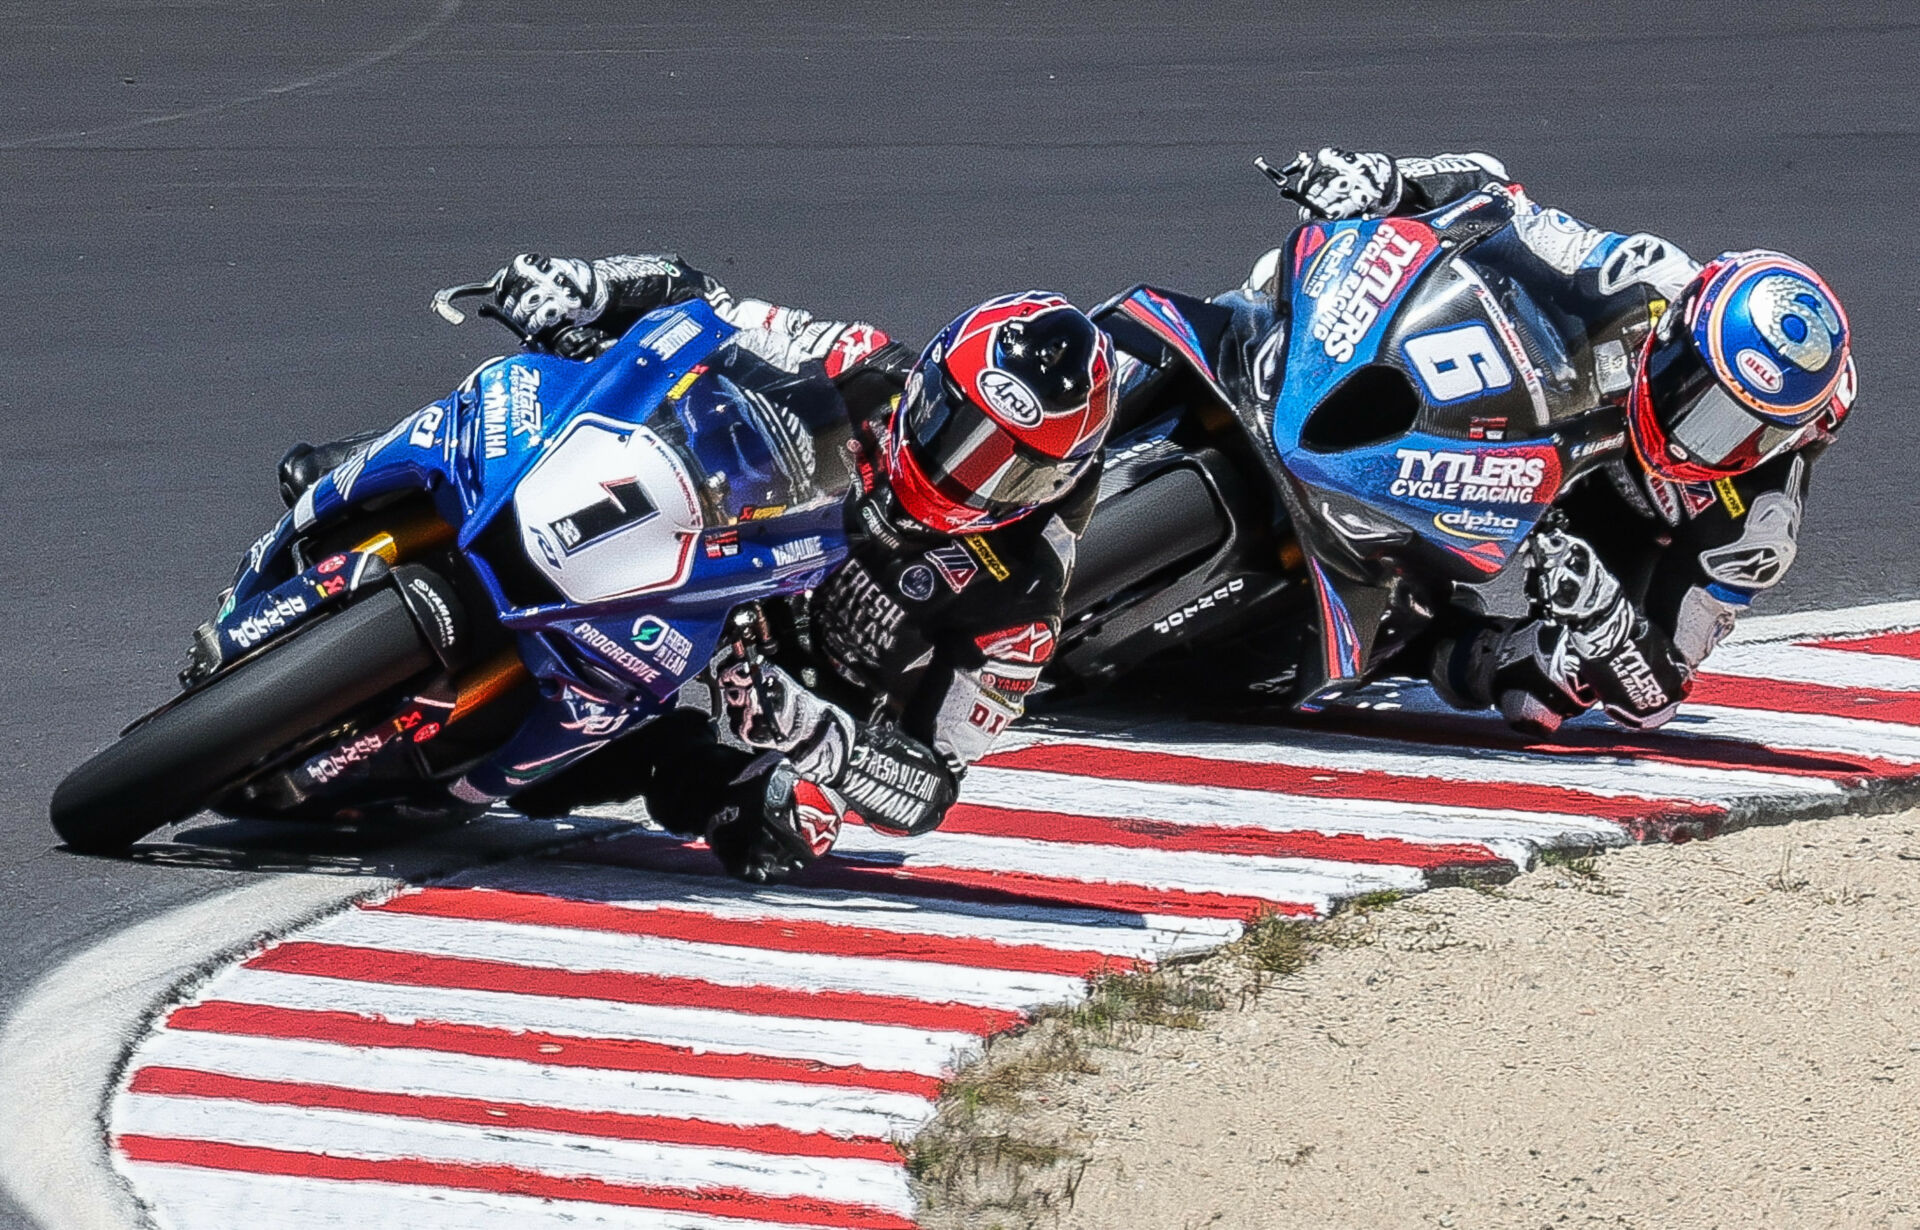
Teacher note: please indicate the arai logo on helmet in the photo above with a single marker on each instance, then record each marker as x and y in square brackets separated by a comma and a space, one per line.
[1758, 368]
[1008, 396]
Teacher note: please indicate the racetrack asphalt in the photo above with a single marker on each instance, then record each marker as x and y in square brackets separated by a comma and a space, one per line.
[220, 225]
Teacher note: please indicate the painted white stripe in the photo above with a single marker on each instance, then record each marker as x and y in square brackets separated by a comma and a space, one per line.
[1819, 625]
[342, 1133]
[1834, 668]
[189, 1198]
[1116, 934]
[838, 1110]
[593, 951]
[1812, 732]
[1311, 880]
[1510, 834]
[1608, 775]
[891, 1048]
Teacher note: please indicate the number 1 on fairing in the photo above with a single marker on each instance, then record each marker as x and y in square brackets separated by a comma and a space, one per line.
[1458, 363]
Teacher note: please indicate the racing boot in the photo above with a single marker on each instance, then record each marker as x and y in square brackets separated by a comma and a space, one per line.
[306, 464]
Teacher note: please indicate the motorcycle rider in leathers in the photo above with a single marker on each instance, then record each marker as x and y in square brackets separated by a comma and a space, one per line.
[1742, 378]
[977, 466]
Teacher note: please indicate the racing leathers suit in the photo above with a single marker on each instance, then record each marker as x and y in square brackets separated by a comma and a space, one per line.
[918, 651]
[1634, 579]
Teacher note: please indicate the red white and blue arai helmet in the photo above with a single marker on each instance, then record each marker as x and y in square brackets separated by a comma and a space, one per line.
[1003, 411]
[1750, 361]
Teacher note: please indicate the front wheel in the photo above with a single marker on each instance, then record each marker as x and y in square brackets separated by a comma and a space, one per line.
[169, 767]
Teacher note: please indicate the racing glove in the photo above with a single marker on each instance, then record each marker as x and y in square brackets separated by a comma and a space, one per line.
[545, 295]
[778, 714]
[772, 822]
[1524, 670]
[898, 785]
[1629, 666]
[1338, 184]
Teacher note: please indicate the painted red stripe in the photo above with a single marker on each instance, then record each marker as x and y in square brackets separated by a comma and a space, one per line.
[1088, 760]
[1894, 644]
[771, 933]
[418, 969]
[559, 1050]
[1008, 888]
[1136, 833]
[509, 1180]
[613, 1125]
[1785, 696]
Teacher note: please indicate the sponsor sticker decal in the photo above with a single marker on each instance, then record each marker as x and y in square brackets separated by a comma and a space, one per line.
[1221, 596]
[1009, 397]
[1761, 370]
[1326, 263]
[1030, 643]
[1349, 309]
[524, 414]
[1730, 496]
[916, 583]
[670, 335]
[669, 646]
[799, 551]
[1476, 478]
[495, 403]
[955, 565]
[614, 652]
[426, 427]
[984, 553]
[1477, 525]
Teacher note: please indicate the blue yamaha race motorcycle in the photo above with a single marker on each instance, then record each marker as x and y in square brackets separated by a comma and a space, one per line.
[491, 590]
[1305, 474]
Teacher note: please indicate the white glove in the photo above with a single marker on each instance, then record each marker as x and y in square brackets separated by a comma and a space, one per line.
[1569, 579]
[1338, 184]
[813, 733]
[544, 294]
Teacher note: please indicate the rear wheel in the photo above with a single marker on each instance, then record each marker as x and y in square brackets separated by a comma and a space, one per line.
[169, 767]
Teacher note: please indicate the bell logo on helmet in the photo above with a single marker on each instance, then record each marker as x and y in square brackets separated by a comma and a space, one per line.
[1009, 397]
[1796, 320]
[1760, 369]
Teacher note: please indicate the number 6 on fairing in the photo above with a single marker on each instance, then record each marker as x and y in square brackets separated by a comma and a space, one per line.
[1458, 363]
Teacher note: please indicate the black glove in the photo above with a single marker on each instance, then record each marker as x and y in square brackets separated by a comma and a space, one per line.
[772, 822]
[542, 296]
[1338, 184]
[1524, 670]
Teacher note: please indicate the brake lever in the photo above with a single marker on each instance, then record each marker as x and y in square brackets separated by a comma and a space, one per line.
[1281, 178]
[443, 298]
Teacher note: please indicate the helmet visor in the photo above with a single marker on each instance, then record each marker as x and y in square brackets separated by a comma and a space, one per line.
[972, 462]
[1704, 423]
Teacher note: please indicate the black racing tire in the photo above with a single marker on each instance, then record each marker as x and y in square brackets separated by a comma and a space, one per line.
[169, 767]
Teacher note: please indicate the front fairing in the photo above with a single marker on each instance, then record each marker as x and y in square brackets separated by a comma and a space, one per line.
[625, 597]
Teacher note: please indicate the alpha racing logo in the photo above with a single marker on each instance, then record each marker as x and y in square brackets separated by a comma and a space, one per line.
[1478, 478]
[1344, 317]
[1479, 526]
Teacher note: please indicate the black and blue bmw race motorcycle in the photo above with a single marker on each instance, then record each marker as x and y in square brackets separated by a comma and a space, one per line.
[492, 589]
[1306, 473]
